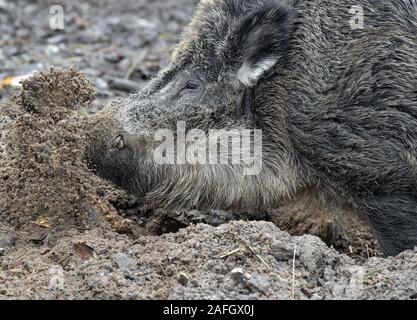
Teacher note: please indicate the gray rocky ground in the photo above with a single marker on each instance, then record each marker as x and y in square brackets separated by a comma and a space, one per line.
[237, 260]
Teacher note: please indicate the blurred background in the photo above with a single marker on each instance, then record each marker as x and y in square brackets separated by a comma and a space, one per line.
[119, 44]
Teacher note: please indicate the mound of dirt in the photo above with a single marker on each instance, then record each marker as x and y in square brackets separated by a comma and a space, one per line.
[65, 233]
[45, 181]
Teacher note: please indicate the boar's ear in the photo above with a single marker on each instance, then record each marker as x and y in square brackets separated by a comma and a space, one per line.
[264, 36]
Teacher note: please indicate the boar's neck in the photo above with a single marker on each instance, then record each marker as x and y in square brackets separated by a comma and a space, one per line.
[308, 81]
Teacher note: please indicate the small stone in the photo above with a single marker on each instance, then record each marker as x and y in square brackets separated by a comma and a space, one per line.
[183, 278]
[101, 84]
[239, 275]
[2, 251]
[52, 49]
[282, 251]
[124, 64]
[259, 283]
[113, 57]
[124, 262]
[56, 39]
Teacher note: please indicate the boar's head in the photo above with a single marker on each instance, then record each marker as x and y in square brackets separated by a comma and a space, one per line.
[213, 81]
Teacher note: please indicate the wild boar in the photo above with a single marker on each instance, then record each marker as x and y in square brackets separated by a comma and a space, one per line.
[332, 85]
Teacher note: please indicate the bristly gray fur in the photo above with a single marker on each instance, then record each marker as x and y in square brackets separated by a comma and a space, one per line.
[338, 110]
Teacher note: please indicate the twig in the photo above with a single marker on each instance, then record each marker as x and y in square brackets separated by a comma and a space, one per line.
[253, 251]
[136, 62]
[227, 254]
[293, 272]
[123, 84]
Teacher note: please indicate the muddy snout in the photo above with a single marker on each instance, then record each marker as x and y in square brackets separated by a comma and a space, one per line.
[104, 138]
[106, 133]
[111, 152]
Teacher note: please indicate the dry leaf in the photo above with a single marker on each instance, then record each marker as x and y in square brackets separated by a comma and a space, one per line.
[42, 222]
[13, 81]
[83, 251]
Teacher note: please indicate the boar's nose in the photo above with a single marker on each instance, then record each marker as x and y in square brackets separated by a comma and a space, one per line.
[118, 142]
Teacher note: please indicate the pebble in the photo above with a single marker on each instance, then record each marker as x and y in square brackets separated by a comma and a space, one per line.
[101, 84]
[282, 251]
[3, 5]
[124, 64]
[124, 262]
[239, 275]
[183, 278]
[56, 39]
[113, 57]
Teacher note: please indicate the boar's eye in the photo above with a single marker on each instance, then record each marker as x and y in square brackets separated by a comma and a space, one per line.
[191, 85]
[191, 89]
